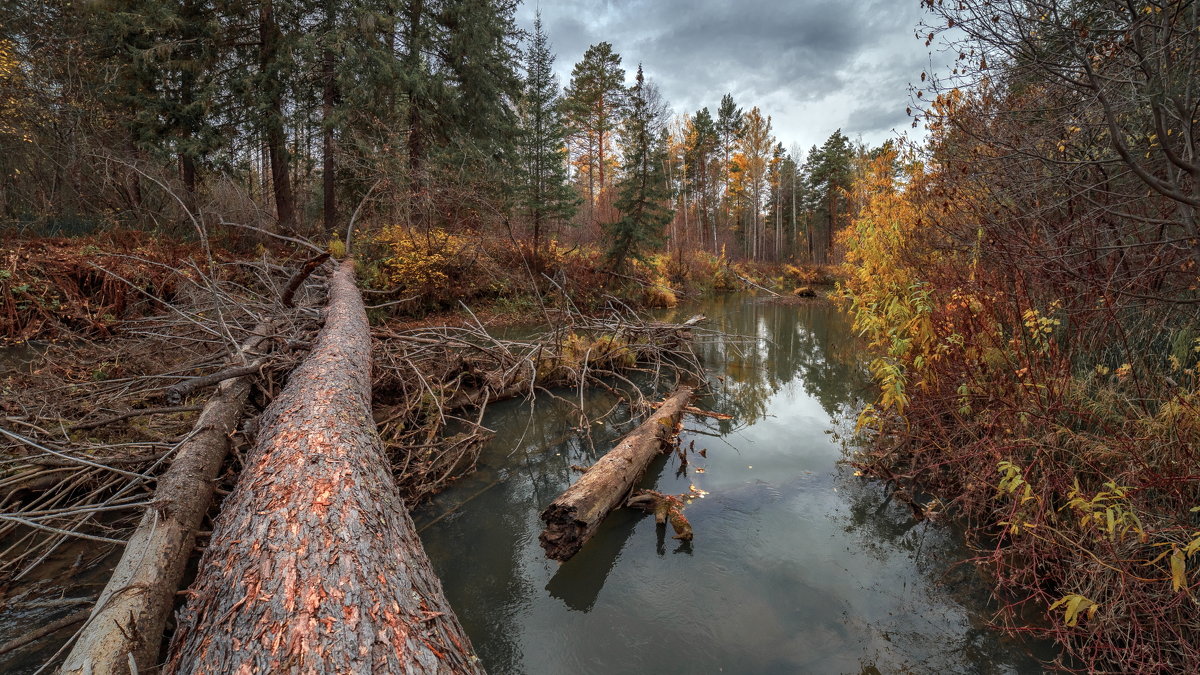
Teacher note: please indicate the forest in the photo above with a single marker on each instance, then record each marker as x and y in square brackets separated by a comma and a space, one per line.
[267, 266]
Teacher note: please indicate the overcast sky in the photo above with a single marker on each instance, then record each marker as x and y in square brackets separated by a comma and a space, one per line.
[813, 65]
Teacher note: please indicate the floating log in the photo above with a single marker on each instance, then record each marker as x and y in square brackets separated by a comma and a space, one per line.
[314, 565]
[573, 517]
[127, 622]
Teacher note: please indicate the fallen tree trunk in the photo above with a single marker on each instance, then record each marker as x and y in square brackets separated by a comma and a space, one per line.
[129, 617]
[314, 565]
[573, 517]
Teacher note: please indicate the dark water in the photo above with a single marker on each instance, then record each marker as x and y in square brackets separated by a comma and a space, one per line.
[797, 566]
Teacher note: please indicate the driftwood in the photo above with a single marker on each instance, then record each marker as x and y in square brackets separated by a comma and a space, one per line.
[574, 516]
[313, 565]
[129, 618]
[665, 508]
[748, 282]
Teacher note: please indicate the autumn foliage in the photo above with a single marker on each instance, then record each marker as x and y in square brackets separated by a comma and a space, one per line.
[1037, 352]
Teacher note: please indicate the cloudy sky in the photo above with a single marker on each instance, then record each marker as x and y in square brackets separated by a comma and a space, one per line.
[813, 65]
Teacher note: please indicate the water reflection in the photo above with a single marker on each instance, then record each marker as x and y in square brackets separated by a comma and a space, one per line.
[797, 565]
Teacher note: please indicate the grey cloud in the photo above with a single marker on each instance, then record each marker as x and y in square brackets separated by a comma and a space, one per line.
[814, 65]
[868, 120]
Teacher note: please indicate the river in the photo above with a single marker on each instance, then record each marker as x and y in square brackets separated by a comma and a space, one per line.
[798, 565]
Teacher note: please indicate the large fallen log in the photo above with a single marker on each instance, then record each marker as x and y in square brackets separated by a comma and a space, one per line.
[128, 619]
[573, 517]
[314, 565]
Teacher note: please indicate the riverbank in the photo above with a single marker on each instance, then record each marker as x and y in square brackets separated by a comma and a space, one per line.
[89, 287]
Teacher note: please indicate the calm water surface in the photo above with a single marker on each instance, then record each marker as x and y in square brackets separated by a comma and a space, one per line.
[797, 566]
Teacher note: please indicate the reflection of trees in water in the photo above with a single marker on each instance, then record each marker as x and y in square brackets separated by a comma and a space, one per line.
[493, 514]
[528, 462]
[810, 346]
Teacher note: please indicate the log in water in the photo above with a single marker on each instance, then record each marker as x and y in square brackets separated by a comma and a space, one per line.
[573, 518]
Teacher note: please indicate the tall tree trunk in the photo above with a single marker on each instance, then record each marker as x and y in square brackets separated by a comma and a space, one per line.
[269, 38]
[190, 13]
[329, 95]
[832, 225]
[314, 565]
[414, 18]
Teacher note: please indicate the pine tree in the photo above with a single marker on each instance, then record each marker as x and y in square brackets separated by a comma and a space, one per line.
[700, 154]
[729, 126]
[643, 192]
[755, 144]
[594, 103]
[830, 173]
[545, 192]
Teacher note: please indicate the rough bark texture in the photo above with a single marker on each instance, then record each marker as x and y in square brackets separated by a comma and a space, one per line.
[314, 565]
[572, 519]
[131, 613]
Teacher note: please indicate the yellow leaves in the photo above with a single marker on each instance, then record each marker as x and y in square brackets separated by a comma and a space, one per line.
[336, 247]
[1177, 562]
[415, 260]
[1178, 570]
[1013, 480]
[1073, 605]
[1109, 511]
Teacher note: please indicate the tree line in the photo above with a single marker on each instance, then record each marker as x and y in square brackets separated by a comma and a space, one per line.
[432, 113]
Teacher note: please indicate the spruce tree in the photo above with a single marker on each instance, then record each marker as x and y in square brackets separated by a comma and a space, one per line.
[480, 60]
[544, 191]
[643, 193]
[829, 175]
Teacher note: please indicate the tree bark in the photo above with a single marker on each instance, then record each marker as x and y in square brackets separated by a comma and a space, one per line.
[131, 613]
[574, 516]
[314, 565]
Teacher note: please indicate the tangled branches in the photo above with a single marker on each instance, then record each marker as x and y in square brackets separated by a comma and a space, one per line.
[426, 377]
[86, 432]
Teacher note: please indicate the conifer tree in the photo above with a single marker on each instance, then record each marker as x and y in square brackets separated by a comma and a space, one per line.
[643, 192]
[755, 144]
[700, 154]
[594, 104]
[480, 60]
[545, 193]
[830, 172]
[729, 126]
